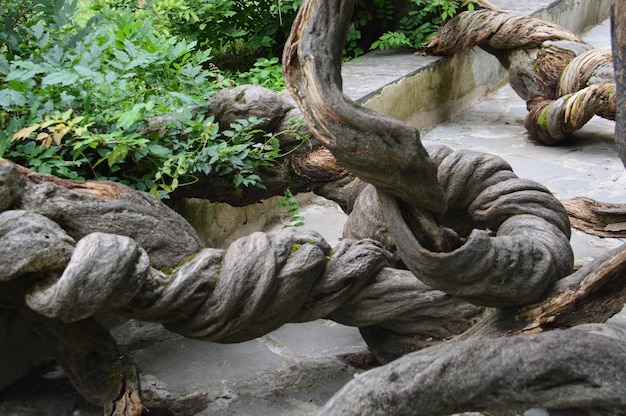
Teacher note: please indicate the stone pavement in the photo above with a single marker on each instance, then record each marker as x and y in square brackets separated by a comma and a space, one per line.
[296, 369]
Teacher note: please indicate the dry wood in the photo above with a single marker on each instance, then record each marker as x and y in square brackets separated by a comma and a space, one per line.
[577, 372]
[592, 294]
[511, 249]
[564, 84]
[504, 373]
[494, 29]
[597, 218]
[550, 122]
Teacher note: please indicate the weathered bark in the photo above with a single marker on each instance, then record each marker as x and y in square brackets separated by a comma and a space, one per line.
[90, 358]
[494, 29]
[564, 85]
[536, 80]
[549, 122]
[516, 232]
[81, 208]
[471, 373]
[579, 371]
[303, 166]
[264, 280]
[618, 32]
[597, 218]
[592, 294]
[257, 285]
[379, 150]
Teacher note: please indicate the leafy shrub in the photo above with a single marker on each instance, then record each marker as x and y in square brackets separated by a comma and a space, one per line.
[18, 17]
[237, 31]
[266, 72]
[115, 97]
[116, 100]
[421, 23]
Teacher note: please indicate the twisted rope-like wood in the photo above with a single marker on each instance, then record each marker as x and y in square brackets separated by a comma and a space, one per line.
[314, 81]
[265, 280]
[564, 84]
[549, 122]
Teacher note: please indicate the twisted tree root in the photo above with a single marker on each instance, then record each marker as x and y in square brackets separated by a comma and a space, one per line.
[207, 298]
[564, 84]
[514, 359]
[516, 232]
[255, 286]
[259, 282]
[495, 29]
[579, 371]
[387, 153]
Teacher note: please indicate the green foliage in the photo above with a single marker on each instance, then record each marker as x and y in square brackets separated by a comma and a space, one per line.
[115, 100]
[237, 31]
[392, 40]
[108, 89]
[290, 203]
[267, 73]
[353, 46]
[422, 22]
[367, 15]
[22, 20]
[241, 154]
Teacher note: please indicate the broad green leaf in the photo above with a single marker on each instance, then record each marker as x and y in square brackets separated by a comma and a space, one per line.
[38, 30]
[118, 154]
[159, 150]
[84, 71]
[128, 118]
[4, 66]
[121, 56]
[10, 98]
[60, 77]
[22, 74]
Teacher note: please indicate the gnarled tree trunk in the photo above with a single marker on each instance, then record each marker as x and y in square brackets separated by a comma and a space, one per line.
[618, 33]
[439, 380]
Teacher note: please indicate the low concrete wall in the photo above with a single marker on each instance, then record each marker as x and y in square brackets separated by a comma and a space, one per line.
[575, 15]
[219, 224]
[439, 90]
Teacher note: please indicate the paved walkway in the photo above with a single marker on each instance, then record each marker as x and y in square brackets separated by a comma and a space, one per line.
[295, 369]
